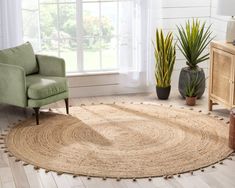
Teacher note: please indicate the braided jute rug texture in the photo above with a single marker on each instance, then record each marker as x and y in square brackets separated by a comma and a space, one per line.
[121, 140]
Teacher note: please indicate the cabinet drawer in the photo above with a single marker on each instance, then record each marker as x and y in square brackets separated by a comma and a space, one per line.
[222, 63]
[222, 76]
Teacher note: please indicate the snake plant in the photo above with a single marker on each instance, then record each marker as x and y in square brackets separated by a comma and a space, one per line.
[165, 55]
[193, 40]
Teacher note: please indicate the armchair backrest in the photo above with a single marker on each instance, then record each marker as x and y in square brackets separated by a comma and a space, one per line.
[22, 56]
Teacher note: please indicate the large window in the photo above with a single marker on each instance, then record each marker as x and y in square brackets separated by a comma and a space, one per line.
[86, 33]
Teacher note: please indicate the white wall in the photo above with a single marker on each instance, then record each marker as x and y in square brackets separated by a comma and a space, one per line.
[99, 84]
[1, 33]
[219, 23]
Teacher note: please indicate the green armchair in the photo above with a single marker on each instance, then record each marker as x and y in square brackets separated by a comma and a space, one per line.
[29, 80]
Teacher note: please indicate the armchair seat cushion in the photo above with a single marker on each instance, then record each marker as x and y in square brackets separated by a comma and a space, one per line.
[41, 87]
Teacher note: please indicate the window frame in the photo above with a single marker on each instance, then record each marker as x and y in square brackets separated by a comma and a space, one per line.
[80, 64]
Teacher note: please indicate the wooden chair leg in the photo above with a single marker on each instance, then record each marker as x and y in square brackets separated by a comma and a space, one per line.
[67, 105]
[36, 110]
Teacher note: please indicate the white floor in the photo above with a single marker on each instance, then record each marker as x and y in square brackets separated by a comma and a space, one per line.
[14, 174]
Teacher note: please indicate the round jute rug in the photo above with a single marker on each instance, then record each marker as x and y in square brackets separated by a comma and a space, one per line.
[121, 140]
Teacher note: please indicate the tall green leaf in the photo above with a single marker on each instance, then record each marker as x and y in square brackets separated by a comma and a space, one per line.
[165, 55]
[193, 40]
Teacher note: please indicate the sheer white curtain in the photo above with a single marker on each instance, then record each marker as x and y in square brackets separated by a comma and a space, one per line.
[136, 50]
[11, 29]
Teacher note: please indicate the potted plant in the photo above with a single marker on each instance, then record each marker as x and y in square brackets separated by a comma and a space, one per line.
[165, 55]
[193, 40]
[192, 88]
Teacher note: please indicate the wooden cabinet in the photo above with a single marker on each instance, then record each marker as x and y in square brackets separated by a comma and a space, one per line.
[222, 75]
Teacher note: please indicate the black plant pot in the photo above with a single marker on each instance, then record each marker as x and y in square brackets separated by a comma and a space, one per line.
[163, 92]
[186, 75]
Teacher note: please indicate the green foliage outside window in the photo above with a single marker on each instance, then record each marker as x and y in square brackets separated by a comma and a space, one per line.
[97, 32]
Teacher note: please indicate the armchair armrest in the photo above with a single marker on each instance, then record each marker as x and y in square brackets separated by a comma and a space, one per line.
[12, 85]
[51, 66]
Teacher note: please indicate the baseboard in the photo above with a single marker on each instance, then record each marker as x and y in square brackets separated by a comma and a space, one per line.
[103, 90]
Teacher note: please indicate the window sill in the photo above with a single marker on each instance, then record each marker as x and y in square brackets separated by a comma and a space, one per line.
[92, 73]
